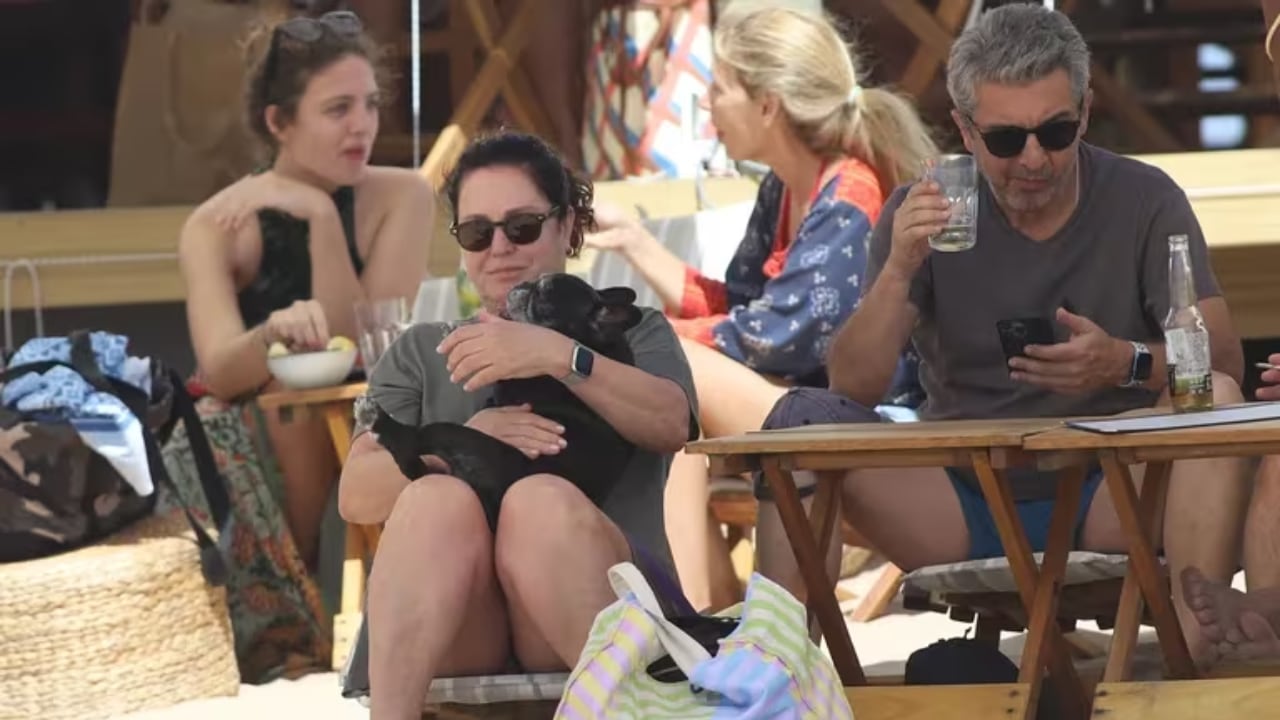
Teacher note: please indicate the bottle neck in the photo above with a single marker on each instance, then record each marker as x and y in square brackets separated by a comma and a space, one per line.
[1182, 289]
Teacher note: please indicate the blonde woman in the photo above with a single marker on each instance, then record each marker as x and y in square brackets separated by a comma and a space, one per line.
[786, 93]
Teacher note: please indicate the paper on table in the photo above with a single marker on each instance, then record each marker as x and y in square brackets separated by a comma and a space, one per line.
[1252, 412]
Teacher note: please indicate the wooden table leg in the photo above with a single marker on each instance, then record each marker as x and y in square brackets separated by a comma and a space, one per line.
[1124, 636]
[1142, 563]
[1022, 565]
[809, 558]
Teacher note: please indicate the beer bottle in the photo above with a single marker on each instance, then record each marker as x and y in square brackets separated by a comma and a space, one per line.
[1185, 335]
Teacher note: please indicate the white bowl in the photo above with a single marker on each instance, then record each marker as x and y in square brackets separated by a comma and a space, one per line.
[305, 371]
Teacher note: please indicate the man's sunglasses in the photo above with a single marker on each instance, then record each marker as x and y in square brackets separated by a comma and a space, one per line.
[520, 228]
[1008, 141]
[342, 23]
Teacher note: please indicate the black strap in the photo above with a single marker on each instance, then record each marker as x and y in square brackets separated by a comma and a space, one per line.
[212, 560]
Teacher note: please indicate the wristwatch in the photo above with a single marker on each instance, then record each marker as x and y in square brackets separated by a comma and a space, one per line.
[581, 360]
[1140, 371]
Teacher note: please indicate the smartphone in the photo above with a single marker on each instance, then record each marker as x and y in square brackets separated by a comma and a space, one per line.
[1018, 333]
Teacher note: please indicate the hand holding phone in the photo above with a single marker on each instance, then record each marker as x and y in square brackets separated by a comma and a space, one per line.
[1017, 333]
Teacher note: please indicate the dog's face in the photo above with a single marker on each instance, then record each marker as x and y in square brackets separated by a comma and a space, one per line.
[569, 305]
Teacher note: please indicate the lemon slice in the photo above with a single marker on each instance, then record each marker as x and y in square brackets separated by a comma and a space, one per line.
[339, 343]
[277, 349]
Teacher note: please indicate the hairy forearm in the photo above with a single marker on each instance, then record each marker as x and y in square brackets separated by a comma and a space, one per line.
[237, 367]
[649, 411]
[334, 283]
[660, 267]
[369, 486]
[864, 354]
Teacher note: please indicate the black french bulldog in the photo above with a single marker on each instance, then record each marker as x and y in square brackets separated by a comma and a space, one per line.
[595, 455]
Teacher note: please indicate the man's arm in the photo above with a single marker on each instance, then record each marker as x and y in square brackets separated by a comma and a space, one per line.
[864, 353]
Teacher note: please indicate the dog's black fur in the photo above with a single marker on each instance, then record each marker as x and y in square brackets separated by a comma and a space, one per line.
[595, 455]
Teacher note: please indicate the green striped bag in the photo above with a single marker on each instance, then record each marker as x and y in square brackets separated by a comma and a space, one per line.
[766, 668]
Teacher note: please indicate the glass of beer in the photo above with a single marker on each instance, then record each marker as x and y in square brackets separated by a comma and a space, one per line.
[957, 178]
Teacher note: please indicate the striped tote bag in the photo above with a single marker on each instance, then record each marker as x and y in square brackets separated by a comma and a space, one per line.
[766, 668]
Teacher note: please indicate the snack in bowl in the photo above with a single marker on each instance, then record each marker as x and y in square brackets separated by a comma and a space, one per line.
[312, 369]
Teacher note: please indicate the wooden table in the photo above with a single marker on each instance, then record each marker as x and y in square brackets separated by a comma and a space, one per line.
[985, 446]
[1115, 696]
[335, 405]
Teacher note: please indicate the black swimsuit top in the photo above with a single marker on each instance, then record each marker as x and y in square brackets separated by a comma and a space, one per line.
[284, 276]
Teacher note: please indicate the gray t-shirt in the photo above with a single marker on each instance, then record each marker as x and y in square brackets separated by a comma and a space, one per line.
[411, 383]
[1109, 263]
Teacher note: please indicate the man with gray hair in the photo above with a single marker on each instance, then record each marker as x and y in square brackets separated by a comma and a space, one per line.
[1067, 232]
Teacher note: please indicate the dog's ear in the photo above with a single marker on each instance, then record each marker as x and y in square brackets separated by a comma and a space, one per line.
[618, 296]
[617, 318]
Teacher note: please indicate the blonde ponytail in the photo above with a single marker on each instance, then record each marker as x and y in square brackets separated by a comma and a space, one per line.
[801, 59]
[883, 129]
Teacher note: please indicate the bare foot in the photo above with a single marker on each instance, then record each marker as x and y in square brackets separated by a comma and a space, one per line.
[1234, 625]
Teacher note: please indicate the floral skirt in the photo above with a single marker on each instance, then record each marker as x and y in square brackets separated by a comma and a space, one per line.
[276, 610]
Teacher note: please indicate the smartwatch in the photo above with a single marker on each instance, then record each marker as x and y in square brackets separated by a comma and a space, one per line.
[581, 360]
[1140, 371]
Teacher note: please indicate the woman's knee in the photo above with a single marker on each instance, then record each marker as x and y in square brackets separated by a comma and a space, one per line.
[543, 516]
[438, 504]
[1226, 390]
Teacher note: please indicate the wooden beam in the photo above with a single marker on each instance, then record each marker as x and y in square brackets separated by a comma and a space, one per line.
[938, 702]
[1141, 124]
[518, 90]
[924, 64]
[1187, 700]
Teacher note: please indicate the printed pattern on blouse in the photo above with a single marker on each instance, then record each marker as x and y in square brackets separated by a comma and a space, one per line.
[780, 305]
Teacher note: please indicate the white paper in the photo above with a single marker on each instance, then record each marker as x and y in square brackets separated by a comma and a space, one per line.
[1251, 412]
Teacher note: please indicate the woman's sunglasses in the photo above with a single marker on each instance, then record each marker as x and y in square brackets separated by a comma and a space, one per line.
[342, 23]
[1008, 141]
[520, 228]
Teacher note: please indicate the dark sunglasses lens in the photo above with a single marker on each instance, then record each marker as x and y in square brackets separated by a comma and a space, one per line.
[1005, 142]
[1058, 135]
[523, 229]
[475, 235]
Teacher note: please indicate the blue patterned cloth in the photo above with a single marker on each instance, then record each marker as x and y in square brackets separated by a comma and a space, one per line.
[104, 422]
[784, 325]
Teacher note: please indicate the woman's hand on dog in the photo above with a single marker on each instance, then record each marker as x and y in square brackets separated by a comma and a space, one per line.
[516, 426]
[480, 354]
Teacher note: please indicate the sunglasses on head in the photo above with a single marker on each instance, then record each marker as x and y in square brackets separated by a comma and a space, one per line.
[520, 228]
[1008, 141]
[342, 23]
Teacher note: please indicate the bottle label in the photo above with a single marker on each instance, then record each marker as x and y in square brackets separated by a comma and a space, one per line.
[1188, 353]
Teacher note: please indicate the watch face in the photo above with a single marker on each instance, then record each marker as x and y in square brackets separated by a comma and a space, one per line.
[583, 361]
[1142, 368]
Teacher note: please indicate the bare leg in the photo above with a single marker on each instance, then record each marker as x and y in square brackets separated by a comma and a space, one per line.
[706, 576]
[912, 515]
[434, 602]
[732, 399]
[554, 552]
[1245, 625]
[1203, 515]
[309, 466]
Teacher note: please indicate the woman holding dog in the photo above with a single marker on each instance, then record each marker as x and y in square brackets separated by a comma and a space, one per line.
[281, 256]
[447, 596]
[786, 93]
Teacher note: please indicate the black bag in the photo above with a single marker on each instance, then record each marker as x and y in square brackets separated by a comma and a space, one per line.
[57, 494]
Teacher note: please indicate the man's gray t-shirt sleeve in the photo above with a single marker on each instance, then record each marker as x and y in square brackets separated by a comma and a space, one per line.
[657, 351]
[921, 292]
[1172, 215]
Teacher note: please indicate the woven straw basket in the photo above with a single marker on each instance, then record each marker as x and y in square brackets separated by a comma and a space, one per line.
[125, 625]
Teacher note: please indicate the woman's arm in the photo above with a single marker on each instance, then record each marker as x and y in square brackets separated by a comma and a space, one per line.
[231, 359]
[787, 331]
[397, 257]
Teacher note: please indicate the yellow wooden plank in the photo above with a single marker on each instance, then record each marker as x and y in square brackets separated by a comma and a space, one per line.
[938, 702]
[1188, 699]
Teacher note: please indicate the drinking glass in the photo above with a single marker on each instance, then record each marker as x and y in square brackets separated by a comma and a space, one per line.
[957, 178]
[379, 323]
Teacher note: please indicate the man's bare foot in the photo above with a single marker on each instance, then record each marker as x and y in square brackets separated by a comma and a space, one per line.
[1236, 625]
